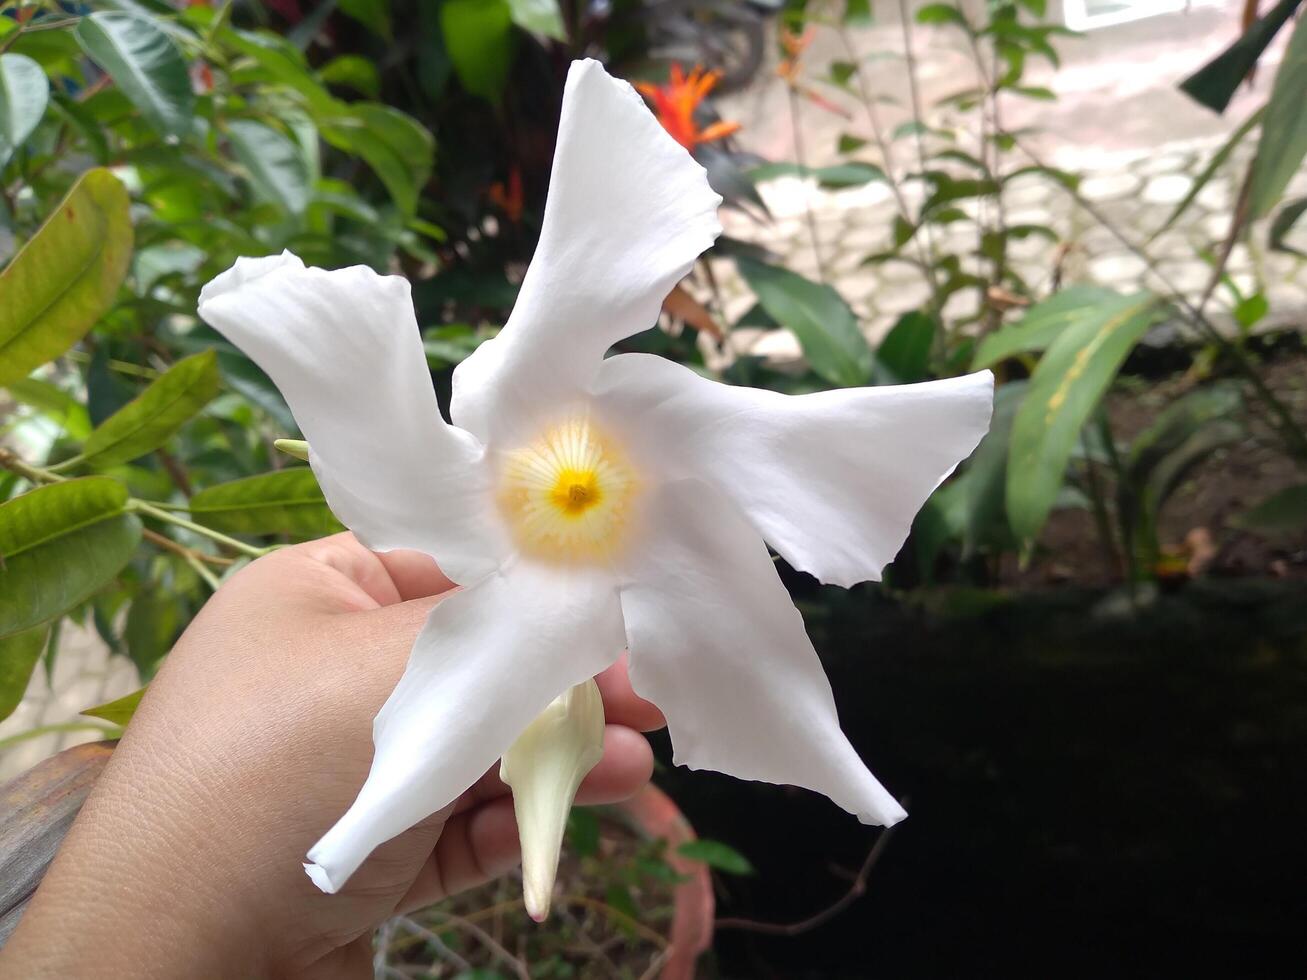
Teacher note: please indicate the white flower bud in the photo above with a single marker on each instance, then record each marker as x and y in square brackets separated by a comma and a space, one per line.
[545, 767]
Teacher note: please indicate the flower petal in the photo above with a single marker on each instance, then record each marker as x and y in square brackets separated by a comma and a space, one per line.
[717, 644]
[831, 480]
[343, 347]
[488, 661]
[628, 212]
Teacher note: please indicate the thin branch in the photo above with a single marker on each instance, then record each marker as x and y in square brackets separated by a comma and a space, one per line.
[800, 157]
[856, 891]
[500, 953]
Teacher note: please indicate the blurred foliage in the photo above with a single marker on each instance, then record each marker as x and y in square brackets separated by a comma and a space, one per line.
[144, 146]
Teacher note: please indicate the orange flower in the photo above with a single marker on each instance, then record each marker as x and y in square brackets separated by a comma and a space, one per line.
[675, 103]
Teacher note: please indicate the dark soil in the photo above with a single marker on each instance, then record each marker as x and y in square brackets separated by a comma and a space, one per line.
[1206, 506]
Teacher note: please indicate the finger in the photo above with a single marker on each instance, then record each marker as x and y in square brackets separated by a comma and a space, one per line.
[476, 846]
[480, 841]
[622, 705]
[625, 766]
[414, 574]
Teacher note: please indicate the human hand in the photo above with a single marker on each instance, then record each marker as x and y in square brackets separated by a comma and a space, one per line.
[252, 740]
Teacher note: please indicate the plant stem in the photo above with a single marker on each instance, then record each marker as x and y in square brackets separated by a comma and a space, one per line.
[925, 247]
[68, 726]
[10, 461]
[801, 158]
[141, 507]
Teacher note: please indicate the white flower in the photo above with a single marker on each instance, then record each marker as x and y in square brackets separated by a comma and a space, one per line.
[587, 505]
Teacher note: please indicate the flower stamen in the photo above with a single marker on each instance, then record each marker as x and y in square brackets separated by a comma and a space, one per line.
[567, 495]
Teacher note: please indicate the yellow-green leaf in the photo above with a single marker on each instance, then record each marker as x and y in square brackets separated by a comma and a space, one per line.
[119, 711]
[64, 279]
[59, 544]
[1065, 387]
[149, 420]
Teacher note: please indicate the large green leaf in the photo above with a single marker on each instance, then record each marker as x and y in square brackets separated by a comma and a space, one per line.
[818, 316]
[18, 656]
[276, 165]
[479, 40]
[398, 148]
[64, 279]
[983, 485]
[1041, 326]
[145, 64]
[1065, 387]
[285, 502]
[149, 420]
[24, 94]
[153, 622]
[1283, 141]
[58, 545]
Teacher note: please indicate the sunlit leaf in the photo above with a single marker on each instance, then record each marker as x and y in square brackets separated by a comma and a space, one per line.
[66, 276]
[284, 502]
[58, 545]
[24, 94]
[276, 165]
[818, 316]
[149, 420]
[144, 63]
[54, 403]
[539, 17]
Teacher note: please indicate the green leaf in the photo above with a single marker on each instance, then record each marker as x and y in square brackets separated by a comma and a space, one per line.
[399, 149]
[825, 326]
[1215, 83]
[479, 41]
[942, 13]
[852, 174]
[353, 71]
[982, 487]
[848, 143]
[119, 711]
[1065, 388]
[372, 14]
[18, 656]
[144, 63]
[1283, 224]
[904, 355]
[857, 13]
[717, 855]
[1285, 510]
[24, 94]
[284, 502]
[149, 420]
[1283, 141]
[539, 17]
[277, 168]
[1209, 171]
[59, 544]
[1250, 309]
[66, 276]
[153, 623]
[1041, 326]
[54, 403]
[583, 831]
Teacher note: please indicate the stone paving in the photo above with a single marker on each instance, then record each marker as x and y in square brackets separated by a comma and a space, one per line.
[1118, 123]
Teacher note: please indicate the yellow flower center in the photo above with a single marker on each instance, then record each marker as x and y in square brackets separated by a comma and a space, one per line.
[567, 495]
